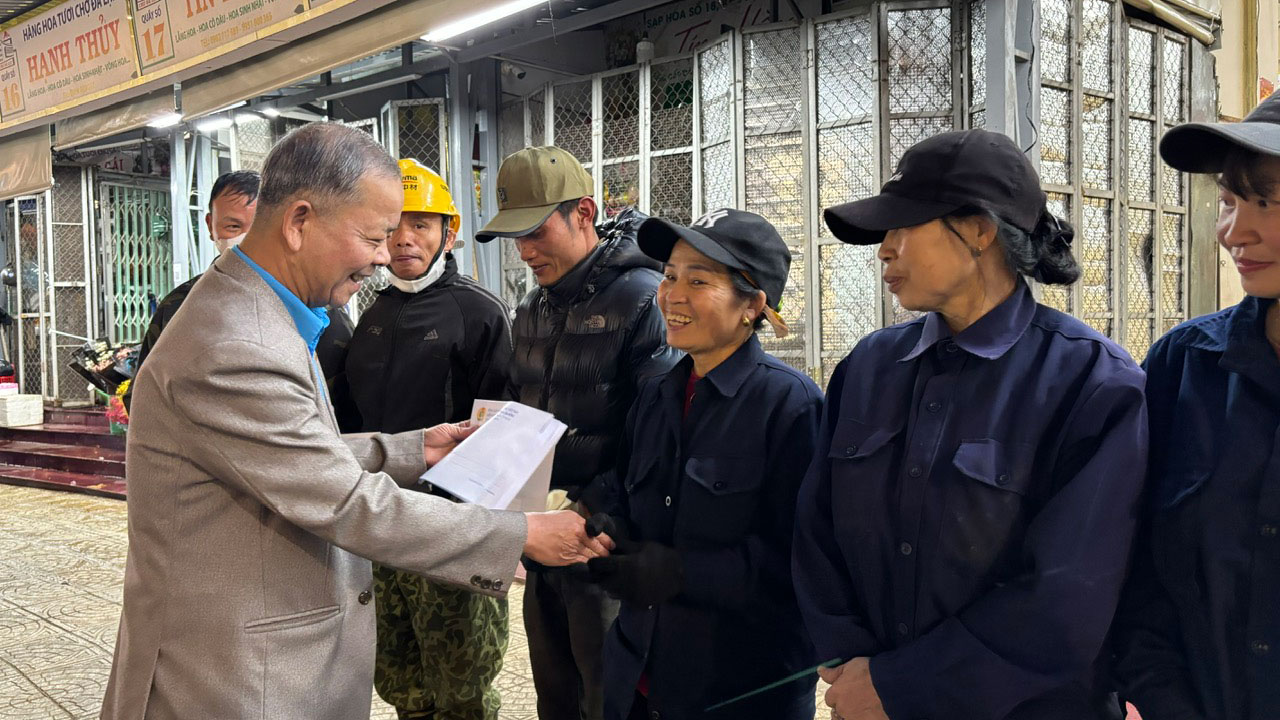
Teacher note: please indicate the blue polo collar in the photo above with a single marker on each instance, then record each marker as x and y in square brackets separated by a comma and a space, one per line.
[311, 322]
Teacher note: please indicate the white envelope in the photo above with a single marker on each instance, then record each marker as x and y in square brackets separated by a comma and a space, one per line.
[506, 464]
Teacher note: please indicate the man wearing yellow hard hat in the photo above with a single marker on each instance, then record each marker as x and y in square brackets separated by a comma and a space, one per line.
[430, 344]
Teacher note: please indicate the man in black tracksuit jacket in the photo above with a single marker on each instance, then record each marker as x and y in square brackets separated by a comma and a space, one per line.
[584, 341]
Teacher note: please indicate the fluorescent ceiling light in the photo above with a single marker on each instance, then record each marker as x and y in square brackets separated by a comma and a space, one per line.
[271, 112]
[244, 117]
[480, 19]
[213, 124]
[167, 120]
[373, 86]
[232, 106]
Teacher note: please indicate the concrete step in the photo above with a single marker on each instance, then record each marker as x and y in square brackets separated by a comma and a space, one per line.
[68, 458]
[57, 434]
[94, 417]
[48, 479]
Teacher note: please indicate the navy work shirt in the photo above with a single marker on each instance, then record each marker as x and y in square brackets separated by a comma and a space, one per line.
[968, 520]
[719, 486]
[1198, 635]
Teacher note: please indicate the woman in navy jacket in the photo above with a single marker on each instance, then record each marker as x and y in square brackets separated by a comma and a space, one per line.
[963, 535]
[1198, 637]
[704, 493]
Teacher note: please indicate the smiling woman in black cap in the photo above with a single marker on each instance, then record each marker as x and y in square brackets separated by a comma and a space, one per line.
[704, 493]
[962, 536]
[1199, 631]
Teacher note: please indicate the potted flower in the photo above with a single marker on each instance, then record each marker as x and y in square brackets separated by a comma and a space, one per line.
[117, 415]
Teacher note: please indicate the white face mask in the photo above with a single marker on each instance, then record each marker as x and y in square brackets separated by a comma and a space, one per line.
[225, 244]
[422, 283]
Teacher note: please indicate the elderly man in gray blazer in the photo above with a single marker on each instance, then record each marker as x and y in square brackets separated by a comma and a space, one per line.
[248, 586]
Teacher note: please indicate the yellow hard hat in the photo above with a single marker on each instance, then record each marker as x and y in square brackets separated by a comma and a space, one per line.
[426, 191]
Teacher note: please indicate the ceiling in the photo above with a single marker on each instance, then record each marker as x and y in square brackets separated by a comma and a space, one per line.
[10, 9]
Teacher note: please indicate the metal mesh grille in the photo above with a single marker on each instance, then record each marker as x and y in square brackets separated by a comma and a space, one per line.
[538, 119]
[845, 59]
[1097, 131]
[1096, 28]
[977, 62]
[1057, 296]
[1172, 263]
[920, 60]
[511, 128]
[1055, 136]
[1055, 40]
[849, 282]
[715, 86]
[671, 105]
[1095, 263]
[905, 132]
[620, 103]
[572, 116]
[369, 291]
[31, 302]
[1174, 80]
[671, 129]
[1141, 158]
[1139, 297]
[254, 138]
[671, 187]
[846, 166]
[1141, 67]
[420, 133]
[774, 157]
[515, 278]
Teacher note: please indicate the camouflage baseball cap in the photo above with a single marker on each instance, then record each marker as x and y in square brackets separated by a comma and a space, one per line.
[531, 184]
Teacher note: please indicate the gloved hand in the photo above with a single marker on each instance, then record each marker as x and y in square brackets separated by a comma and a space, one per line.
[616, 528]
[649, 573]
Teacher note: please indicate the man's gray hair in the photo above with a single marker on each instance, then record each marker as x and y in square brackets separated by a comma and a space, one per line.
[323, 158]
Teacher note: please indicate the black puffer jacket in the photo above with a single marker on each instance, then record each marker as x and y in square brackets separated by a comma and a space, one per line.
[419, 359]
[584, 345]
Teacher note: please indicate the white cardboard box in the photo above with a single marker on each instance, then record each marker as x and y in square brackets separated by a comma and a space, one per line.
[21, 410]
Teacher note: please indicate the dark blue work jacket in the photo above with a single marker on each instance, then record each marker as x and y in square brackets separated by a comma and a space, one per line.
[968, 522]
[720, 487]
[1199, 632]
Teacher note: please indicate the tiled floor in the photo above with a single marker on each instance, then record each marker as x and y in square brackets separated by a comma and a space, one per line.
[61, 566]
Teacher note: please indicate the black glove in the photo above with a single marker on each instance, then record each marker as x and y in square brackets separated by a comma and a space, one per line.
[616, 528]
[649, 573]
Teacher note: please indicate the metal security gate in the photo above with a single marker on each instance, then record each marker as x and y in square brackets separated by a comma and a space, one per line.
[138, 254]
[72, 293]
[415, 129]
[28, 298]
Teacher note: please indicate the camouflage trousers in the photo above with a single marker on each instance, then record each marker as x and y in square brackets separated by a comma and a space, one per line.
[439, 648]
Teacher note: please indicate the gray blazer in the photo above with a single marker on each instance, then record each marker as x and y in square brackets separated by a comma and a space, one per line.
[247, 593]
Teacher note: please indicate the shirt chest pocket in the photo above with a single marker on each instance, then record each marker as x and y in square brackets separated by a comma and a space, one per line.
[862, 459]
[986, 510]
[720, 499]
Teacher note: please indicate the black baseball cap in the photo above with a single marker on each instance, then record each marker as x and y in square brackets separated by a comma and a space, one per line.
[1204, 147]
[739, 240]
[940, 175]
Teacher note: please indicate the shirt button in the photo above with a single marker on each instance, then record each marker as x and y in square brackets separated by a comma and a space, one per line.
[851, 451]
[934, 407]
[719, 485]
[667, 500]
[1259, 647]
[655, 715]
[950, 347]
[905, 548]
[365, 597]
[915, 471]
[1002, 480]
[1268, 531]
[903, 629]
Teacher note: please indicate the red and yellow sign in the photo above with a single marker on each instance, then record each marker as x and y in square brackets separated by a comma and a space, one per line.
[61, 55]
[170, 31]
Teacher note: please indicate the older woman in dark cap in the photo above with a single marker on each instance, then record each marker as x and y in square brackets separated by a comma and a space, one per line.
[704, 493]
[963, 534]
[1198, 635]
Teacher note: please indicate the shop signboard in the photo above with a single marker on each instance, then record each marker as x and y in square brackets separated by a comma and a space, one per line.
[171, 31]
[75, 48]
